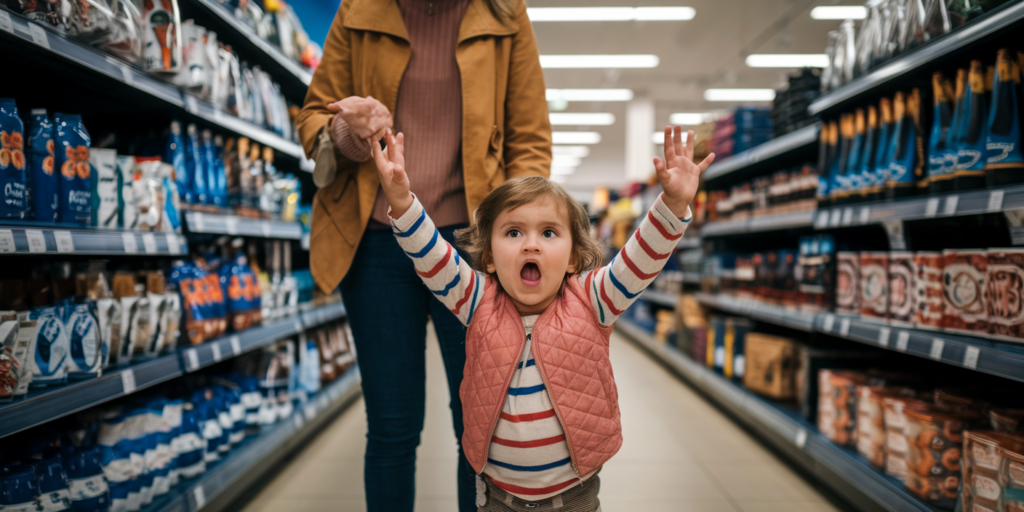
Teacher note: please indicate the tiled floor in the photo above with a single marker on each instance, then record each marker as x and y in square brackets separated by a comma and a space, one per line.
[679, 454]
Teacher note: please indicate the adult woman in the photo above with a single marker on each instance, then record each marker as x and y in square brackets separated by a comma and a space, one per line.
[463, 80]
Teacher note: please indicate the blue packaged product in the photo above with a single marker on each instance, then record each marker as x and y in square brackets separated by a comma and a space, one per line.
[1004, 155]
[856, 147]
[882, 156]
[115, 440]
[170, 437]
[219, 173]
[174, 154]
[227, 424]
[212, 432]
[825, 148]
[88, 349]
[251, 400]
[88, 487]
[12, 162]
[43, 188]
[972, 128]
[906, 149]
[194, 165]
[209, 158]
[191, 447]
[309, 365]
[19, 489]
[866, 162]
[72, 158]
[241, 292]
[49, 365]
[54, 495]
[942, 157]
[840, 187]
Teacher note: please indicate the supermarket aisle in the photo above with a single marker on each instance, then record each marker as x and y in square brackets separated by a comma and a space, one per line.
[679, 454]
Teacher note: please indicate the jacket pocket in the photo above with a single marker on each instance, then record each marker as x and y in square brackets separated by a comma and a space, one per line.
[494, 164]
[337, 208]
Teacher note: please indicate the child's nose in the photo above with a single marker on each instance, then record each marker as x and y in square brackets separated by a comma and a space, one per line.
[532, 244]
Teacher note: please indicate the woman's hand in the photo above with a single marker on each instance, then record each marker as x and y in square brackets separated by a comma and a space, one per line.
[391, 169]
[367, 118]
[678, 175]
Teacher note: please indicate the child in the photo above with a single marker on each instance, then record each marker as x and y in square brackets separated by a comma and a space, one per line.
[540, 406]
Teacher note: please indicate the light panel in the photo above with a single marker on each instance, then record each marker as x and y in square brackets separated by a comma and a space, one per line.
[565, 161]
[575, 138]
[562, 171]
[794, 60]
[739, 94]
[658, 138]
[589, 94]
[839, 12]
[598, 61]
[582, 119]
[576, 151]
[537, 14]
[687, 118]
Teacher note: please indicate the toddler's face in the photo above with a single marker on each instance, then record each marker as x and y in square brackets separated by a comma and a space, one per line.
[531, 249]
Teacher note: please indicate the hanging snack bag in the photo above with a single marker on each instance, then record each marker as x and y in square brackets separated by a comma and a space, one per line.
[88, 349]
[928, 309]
[162, 42]
[72, 158]
[106, 191]
[12, 162]
[964, 285]
[43, 182]
[50, 364]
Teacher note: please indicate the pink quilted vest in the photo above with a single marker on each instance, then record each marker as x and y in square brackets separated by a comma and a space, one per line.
[570, 347]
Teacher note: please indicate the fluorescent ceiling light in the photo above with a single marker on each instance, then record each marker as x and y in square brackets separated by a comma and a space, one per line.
[562, 171]
[599, 61]
[559, 178]
[576, 151]
[589, 94]
[795, 60]
[575, 138]
[611, 13]
[739, 95]
[687, 119]
[582, 119]
[659, 138]
[839, 12]
[566, 161]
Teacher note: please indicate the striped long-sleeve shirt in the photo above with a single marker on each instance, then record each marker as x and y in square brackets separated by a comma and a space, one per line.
[528, 455]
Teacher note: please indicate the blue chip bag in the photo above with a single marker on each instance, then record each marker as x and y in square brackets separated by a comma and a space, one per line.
[72, 158]
[50, 361]
[43, 184]
[12, 162]
[194, 165]
[174, 154]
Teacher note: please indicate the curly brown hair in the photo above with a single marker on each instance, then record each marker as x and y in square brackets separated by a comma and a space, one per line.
[516, 192]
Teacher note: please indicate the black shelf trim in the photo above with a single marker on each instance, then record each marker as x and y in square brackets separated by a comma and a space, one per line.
[216, 224]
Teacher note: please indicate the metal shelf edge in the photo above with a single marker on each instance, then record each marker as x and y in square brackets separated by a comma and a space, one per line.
[774, 148]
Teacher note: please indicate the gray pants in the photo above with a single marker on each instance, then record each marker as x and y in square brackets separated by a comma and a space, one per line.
[580, 498]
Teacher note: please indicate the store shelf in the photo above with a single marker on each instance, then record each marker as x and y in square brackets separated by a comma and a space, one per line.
[304, 242]
[30, 238]
[759, 224]
[782, 146]
[974, 353]
[999, 21]
[214, 224]
[691, 278]
[48, 405]
[688, 242]
[846, 472]
[227, 480]
[925, 207]
[661, 298]
[63, 48]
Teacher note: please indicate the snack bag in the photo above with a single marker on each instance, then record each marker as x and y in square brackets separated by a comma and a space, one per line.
[193, 56]
[42, 181]
[50, 362]
[174, 154]
[114, 26]
[242, 293]
[106, 189]
[194, 165]
[108, 319]
[88, 348]
[162, 43]
[12, 162]
[72, 158]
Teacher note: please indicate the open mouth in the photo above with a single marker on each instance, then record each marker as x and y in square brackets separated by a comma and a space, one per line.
[530, 274]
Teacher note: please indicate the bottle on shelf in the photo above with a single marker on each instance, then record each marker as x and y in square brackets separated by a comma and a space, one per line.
[853, 160]
[825, 148]
[941, 155]
[1004, 160]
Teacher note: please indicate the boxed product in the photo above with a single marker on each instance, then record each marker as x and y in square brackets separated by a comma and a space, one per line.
[837, 405]
[897, 446]
[1004, 285]
[901, 288]
[934, 442]
[986, 457]
[817, 264]
[815, 359]
[771, 363]
[848, 283]
[871, 432]
[874, 285]
[14, 204]
[964, 285]
[929, 290]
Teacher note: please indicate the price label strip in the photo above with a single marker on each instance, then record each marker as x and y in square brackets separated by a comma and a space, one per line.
[64, 242]
[848, 216]
[131, 245]
[199, 495]
[36, 240]
[127, 381]
[216, 351]
[236, 345]
[951, 204]
[801, 438]
[931, 207]
[883, 337]
[937, 346]
[7, 244]
[829, 322]
[149, 242]
[193, 359]
[865, 215]
[822, 221]
[995, 200]
[837, 216]
[902, 341]
[38, 35]
[231, 225]
[844, 327]
[5, 22]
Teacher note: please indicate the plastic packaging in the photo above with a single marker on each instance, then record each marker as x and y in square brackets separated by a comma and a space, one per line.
[971, 133]
[54, 495]
[906, 169]
[942, 155]
[837, 405]
[12, 162]
[88, 349]
[1004, 282]
[929, 290]
[901, 288]
[162, 42]
[114, 26]
[72, 158]
[897, 445]
[1004, 158]
[105, 188]
[848, 283]
[866, 171]
[964, 279]
[43, 181]
[89, 491]
[874, 284]
[49, 365]
[934, 439]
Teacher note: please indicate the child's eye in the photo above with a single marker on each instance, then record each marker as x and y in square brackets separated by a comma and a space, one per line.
[549, 233]
[513, 233]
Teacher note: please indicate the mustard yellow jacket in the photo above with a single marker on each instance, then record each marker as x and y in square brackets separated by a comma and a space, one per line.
[505, 128]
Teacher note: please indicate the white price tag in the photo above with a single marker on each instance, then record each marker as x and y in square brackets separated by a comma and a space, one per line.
[198, 223]
[265, 227]
[830, 320]
[865, 215]
[822, 221]
[951, 203]
[216, 351]
[995, 201]
[971, 357]
[5, 22]
[298, 326]
[200, 496]
[193, 359]
[64, 241]
[848, 216]
[38, 35]
[149, 242]
[931, 207]
[36, 240]
[231, 224]
[801, 438]
[902, 341]
[236, 346]
[131, 245]
[883, 336]
[844, 327]
[127, 381]
[937, 346]
[173, 244]
[837, 215]
[126, 74]
[7, 240]
[310, 411]
[191, 105]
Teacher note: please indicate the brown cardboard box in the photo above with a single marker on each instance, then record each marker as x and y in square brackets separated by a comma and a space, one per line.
[771, 365]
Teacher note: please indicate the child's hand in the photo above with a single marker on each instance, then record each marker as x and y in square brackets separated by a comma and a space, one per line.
[391, 169]
[678, 175]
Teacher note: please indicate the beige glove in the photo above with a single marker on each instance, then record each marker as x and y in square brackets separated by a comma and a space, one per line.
[326, 168]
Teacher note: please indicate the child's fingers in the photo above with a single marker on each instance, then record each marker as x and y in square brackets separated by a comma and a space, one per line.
[659, 167]
[679, 142]
[378, 156]
[670, 149]
[389, 139]
[400, 150]
[690, 144]
[703, 166]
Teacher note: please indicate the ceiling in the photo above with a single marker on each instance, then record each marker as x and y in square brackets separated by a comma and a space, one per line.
[708, 51]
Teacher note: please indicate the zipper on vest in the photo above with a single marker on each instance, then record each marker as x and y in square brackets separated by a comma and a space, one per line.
[501, 404]
[554, 405]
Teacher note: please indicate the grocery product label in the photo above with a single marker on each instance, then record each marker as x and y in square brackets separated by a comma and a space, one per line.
[985, 487]
[995, 200]
[1004, 281]
[984, 455]
[149, 242]
[929, 288]
[896, 442]
[874, 285]
[21, 507]
[65, 244]
[931, 207]
[964, 278]
[86, 488]
[36, 241]
[55, 501]
[85, 341]
[1015, 472]
[52, 347]
[936, 351]
[38, 35]
[7, 241]
[901, 288]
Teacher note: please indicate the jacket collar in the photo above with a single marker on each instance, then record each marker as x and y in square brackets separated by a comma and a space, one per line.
[384, 16]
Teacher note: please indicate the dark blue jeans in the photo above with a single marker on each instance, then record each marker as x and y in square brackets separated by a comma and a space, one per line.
[388, 307]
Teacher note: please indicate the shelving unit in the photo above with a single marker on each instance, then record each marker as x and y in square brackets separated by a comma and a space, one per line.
[29, 238]
[48, 405]
[224, 482]
[974, 353]
[843, 470]
[1002, 20]
[765, 153]
[778, 222]
[661, 298]
[234, 225]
